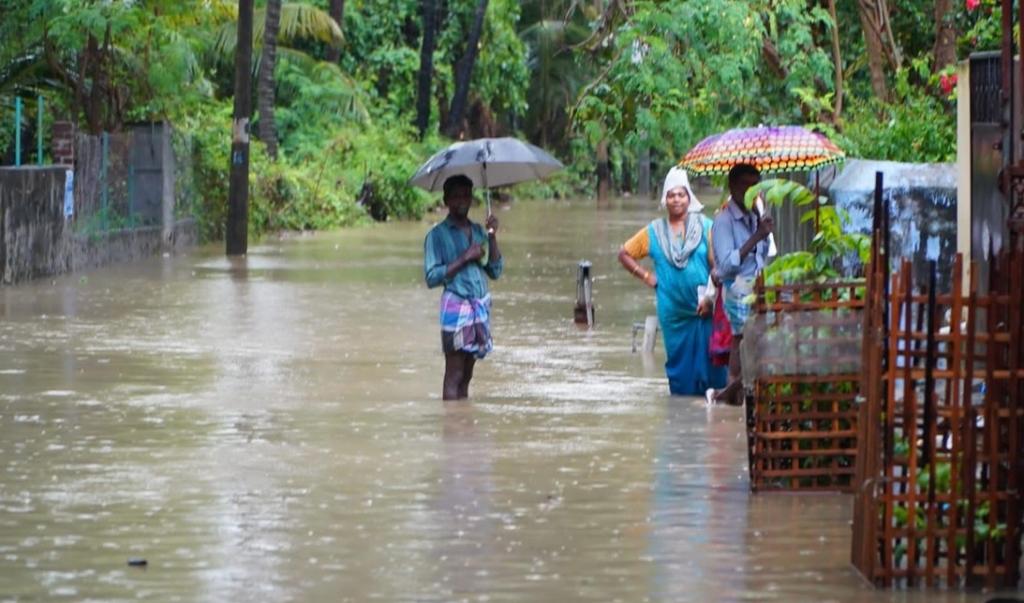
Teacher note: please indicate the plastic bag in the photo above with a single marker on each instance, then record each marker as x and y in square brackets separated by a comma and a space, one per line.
[721, 335]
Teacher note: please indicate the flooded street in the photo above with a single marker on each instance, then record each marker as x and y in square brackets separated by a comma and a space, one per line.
[271, 429]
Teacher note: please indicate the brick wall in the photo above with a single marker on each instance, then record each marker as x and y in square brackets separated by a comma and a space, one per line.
[63, 143]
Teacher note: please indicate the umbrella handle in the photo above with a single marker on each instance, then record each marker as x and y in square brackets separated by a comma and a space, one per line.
[487, 196]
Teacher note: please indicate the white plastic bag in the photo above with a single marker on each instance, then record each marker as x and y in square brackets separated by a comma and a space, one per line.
[759, 206]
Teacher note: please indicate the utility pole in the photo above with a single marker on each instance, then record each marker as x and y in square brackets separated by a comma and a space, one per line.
[237, 229]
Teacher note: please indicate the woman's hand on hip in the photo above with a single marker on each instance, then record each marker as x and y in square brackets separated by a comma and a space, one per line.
[651, 280]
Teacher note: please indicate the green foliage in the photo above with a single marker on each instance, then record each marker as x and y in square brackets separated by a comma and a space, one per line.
[915, 127]
[383, 43]
[683, 70]
[657, 75]
[982, 27]
[678, 72]
[314, 187]
[340, 124]
[831, 245]
[298, 21]
[555, 79]
[501, 76]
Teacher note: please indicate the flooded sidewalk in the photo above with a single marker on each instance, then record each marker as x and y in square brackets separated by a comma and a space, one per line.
[270, 428]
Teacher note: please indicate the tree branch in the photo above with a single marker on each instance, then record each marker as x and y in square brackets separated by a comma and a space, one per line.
[837, 60]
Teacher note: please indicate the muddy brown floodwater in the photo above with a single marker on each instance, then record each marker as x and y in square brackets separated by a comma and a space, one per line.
[270, 429]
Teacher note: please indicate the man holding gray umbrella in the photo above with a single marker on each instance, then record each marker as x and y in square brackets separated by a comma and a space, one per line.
[459, 255]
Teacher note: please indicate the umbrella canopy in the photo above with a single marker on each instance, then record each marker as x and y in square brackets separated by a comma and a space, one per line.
[487, 162]
[769, 149]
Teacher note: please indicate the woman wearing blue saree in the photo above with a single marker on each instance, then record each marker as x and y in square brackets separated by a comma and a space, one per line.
[678, 247]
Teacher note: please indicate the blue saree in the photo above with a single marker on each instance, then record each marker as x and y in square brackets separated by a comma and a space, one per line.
[686, 335]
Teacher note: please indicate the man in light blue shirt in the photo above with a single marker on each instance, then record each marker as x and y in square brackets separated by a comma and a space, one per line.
[460, 256]
[740, 240]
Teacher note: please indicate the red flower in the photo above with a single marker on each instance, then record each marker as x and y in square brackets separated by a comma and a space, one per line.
[972, 4]
[947, 83]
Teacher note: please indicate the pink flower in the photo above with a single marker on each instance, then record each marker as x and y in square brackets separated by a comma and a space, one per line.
[972, 4]
[947, 83]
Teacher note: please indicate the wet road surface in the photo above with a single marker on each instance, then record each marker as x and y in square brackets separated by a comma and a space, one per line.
[271, 429]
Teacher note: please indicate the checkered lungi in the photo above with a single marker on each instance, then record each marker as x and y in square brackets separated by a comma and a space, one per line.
[738, 301]
[466, 325]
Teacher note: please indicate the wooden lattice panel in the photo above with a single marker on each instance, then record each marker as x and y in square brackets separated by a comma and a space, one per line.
[802, 420]
[805, 433]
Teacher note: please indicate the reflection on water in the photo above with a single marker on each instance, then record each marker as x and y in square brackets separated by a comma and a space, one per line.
[699, 505]
[271, 429]
[465, 526]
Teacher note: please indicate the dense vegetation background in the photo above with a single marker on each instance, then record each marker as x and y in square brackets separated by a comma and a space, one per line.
[361, 91]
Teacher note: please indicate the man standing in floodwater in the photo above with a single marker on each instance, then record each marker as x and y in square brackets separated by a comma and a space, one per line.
[740, 241]
[458, 254]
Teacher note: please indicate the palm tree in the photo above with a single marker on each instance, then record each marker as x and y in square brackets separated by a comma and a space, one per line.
[237, 228]
[265, 83]
[426, 73]
[337, 12]
[464, 72]
[279, 22]
[555, 79]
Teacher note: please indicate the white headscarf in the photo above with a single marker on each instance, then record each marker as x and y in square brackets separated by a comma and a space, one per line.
[675, 178]
[678, 251]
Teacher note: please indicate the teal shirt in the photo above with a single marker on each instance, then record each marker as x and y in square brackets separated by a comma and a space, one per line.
[442, 246]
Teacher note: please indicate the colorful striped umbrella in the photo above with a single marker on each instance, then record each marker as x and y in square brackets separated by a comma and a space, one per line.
[768, 148]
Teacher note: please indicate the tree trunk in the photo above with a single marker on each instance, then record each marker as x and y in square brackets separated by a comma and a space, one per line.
[337, 12]
[945, 35]
[643, 172]
[837, 59]
[464, 72]
[426, 74]
[874, 41]
[237, 228]
[265, 84]
[604, 173]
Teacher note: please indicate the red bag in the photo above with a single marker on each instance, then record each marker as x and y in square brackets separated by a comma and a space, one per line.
[721, 334]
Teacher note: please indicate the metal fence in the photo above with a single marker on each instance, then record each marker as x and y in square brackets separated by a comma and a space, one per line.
[129, 180]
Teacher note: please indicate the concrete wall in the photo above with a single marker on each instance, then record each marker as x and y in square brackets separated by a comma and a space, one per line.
[34, 237]
[36, 240]
[89, 252]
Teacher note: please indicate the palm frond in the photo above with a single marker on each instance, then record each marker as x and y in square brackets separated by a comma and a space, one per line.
[298, 21]
[352, 98]
[305, 21]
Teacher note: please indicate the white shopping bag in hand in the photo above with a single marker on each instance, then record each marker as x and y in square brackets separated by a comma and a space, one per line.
[759, 206]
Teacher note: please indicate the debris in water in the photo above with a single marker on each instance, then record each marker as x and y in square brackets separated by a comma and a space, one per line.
[137, 562]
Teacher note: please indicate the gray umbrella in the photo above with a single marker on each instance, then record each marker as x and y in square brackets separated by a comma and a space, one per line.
[487, 162]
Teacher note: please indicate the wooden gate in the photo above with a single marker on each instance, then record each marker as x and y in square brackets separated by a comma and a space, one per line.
[941, 431]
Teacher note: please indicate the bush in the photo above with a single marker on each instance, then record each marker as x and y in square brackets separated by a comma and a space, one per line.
[915, 127]
[316, 188]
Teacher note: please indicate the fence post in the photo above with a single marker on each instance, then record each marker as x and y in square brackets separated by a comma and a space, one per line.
[39, 131]
[17, 130]
[104, 160]
[131, 188]
[167, 170]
